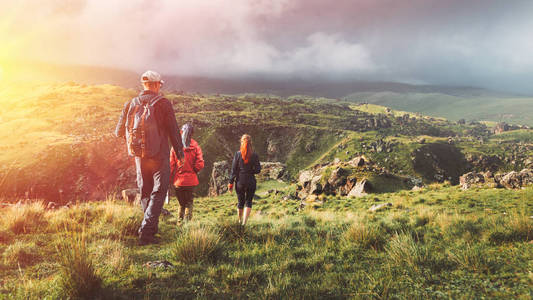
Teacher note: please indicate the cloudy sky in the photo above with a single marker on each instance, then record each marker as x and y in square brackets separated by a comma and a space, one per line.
[446, 42]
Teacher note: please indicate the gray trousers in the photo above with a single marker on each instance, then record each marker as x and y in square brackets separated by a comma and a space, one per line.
[153, 177]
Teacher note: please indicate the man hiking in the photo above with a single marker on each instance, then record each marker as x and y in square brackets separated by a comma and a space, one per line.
[148, 122]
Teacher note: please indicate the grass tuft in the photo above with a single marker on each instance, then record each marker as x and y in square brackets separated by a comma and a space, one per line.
[198, 244]
[403, 250]
[25, 219]
[78, 276]
[21, 254]
[367, 236]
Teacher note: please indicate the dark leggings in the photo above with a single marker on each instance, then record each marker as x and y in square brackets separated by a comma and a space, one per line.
[245, 194]
[184, 195]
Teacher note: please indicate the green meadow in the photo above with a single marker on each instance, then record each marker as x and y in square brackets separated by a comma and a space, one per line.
[439, 243]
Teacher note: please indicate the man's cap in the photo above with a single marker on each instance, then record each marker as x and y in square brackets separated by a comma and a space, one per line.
[151, 76]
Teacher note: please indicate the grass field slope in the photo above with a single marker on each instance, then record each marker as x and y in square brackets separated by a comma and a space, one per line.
[441, 243]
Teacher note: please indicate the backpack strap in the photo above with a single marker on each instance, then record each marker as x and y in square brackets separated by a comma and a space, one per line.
[155, 100]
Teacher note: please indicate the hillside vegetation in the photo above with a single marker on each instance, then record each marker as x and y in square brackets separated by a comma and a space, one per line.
[477, 107]
[437, 242]
[57, 141]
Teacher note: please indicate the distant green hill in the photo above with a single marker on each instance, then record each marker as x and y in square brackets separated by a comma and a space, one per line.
[479, 107]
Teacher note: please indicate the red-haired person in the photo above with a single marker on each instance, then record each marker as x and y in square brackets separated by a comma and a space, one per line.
[184, 172]
[243, 169]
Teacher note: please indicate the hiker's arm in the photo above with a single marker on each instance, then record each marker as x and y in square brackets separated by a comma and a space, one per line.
[173, 162]
[173, 166]
[172, 127]
[257, 165]
[234, 169]
[199, 162]
[120, 131]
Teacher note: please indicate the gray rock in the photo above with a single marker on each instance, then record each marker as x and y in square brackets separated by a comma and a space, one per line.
[358, 161]
[511, 180]
[305, 178]
[273, 170]
[360, 189]
[315, 187]
[470, 178]
[381, 206]
[159, 264]
[219, 178]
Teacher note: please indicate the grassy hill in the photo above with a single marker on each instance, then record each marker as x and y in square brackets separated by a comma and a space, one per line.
[437, 243]
[57, 141]
[440, 242]
[482, 107]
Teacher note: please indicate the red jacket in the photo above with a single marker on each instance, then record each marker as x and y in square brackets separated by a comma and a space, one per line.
[185, 172]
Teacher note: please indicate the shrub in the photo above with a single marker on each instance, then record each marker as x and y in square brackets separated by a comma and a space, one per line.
[20, 253]
[365, 235]
[78, 277]
[198, 244]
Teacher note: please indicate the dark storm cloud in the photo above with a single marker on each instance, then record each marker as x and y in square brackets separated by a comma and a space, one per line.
[480, 43]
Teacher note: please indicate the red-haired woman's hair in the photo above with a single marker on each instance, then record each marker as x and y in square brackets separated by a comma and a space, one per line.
[246, 148]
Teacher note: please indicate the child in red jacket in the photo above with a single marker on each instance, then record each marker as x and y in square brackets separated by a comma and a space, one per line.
[184, 171]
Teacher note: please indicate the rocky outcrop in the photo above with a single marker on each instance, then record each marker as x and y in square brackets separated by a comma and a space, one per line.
[510, 180]
[219, 178]
[470, 178]
[339, 178]
[274, 171]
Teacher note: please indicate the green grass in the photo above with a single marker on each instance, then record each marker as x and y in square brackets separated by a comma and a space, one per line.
[440, 242]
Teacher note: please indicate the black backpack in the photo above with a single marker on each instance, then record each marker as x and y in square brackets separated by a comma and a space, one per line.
[142, 131]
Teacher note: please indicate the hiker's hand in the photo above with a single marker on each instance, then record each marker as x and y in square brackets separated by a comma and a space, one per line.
[230, 188]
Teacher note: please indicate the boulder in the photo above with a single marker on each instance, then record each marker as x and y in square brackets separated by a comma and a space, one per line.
[316, 187]
[305, 178]
[360, 189]
[337, 178]
[470, 178]
[511, 180]
[526, 176]
[358, 161]
[219, 178]
[273, 170]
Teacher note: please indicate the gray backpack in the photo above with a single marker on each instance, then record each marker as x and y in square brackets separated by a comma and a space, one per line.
[142, 131]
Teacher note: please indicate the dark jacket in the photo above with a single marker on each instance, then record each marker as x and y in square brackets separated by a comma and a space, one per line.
[184, 171]
[242, 173]
[166, 121]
